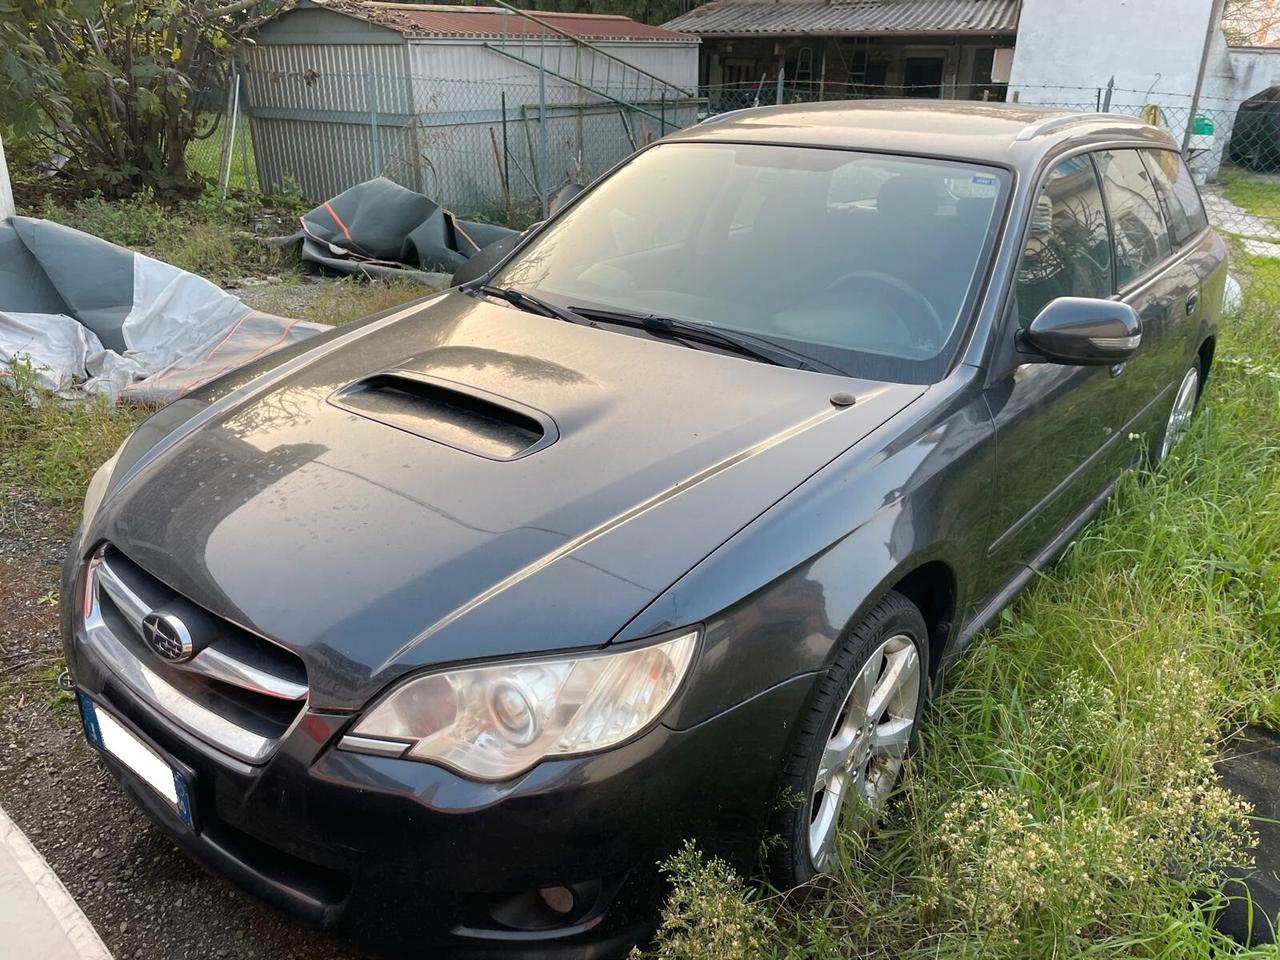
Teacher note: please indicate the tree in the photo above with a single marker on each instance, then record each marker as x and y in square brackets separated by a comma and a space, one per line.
[1251, 22]
[116, 87]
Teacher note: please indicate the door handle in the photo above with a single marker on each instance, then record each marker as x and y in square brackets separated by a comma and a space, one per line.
[1193, 301]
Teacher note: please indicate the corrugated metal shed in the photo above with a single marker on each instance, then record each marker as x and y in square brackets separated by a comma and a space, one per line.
[429, 95]
[745, 18]
[438, 20]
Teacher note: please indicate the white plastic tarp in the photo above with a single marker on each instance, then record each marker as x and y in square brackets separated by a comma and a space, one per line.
[90, 316]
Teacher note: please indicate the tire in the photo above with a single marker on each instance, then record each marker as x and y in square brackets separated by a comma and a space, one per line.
[891, 641]
[1185, 401]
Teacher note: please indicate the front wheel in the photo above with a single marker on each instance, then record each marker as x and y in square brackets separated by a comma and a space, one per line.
[851, 742]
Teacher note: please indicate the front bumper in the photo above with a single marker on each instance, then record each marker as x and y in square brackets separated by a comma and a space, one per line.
[398, 854]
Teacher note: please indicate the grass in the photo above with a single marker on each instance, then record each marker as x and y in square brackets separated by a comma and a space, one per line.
[50, 448]
[1063, 801]
[1254, 193]
[342, 300]
[208, 235]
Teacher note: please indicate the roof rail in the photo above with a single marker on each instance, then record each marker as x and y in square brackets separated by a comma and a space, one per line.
[1050, 124]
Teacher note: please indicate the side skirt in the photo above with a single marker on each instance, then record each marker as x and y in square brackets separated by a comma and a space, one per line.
[1009, 592]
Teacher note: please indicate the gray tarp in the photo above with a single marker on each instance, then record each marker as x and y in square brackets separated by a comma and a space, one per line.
[380, 229]
[92, 316]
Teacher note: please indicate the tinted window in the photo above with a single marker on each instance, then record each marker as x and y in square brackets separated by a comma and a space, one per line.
[1178, 193]
[864, 262]
[1141, 237]
[1068, 253]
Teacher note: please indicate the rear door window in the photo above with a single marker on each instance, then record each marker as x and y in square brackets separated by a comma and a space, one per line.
[1137, 223]
[1068, 252]
[1178, 193]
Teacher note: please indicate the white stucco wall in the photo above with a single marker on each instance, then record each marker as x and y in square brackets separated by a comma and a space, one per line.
[1066, 51]
[6, 191]
[1254, 69]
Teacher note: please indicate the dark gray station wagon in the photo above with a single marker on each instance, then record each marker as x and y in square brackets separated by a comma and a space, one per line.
[440, 629]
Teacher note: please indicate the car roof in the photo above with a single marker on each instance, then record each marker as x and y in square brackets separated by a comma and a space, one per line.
[1005, 133]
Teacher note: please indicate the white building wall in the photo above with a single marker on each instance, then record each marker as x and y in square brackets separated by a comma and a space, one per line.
[1067, 51]
[6, 190]
[1254, 69]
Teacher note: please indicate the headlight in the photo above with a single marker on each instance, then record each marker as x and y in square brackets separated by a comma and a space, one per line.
[495, 721]
[98, 484]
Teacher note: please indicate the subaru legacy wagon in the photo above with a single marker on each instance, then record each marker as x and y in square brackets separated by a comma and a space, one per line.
[441, 629]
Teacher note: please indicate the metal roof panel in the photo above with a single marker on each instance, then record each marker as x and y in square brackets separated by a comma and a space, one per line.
[841, 17]
[495, 23]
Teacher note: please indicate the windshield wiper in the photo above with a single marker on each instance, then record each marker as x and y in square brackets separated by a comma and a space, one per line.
[531, 304]
[735, 341]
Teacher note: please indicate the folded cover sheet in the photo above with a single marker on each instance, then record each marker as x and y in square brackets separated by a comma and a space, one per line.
[93, 317]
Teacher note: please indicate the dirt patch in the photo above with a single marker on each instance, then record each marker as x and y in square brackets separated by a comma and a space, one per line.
[143, 895]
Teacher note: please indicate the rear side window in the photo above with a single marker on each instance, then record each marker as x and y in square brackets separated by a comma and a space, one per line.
[1141, 237]
[1068, 253]
[1177, 192]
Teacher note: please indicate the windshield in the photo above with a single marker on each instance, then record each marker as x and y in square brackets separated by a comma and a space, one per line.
[865, 262]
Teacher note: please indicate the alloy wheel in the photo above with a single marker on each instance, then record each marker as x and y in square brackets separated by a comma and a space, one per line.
[864, 752]
[1184, 406]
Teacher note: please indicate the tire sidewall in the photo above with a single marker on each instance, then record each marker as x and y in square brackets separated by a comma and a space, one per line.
[789, 859]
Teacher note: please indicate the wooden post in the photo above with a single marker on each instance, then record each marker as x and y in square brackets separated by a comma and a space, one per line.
[6, 190]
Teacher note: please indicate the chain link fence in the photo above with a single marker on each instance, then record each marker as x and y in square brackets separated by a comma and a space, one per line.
[501, 150]
[222, 151]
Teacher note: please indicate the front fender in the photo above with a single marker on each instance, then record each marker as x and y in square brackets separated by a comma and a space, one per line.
[777, 598]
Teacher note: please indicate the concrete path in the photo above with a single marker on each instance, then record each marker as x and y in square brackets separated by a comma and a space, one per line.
[37, 915]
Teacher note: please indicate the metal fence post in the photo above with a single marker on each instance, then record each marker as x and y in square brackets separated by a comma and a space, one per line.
[1106, 100]
[543, 142]
[375, 142]
[245, 132]
[544, 148]
[782, 72]
[229, 138]
[506, 150]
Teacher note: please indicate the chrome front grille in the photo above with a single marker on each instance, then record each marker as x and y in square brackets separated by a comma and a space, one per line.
[238, 692]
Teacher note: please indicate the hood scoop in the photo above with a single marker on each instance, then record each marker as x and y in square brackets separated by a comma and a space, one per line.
[454, 414]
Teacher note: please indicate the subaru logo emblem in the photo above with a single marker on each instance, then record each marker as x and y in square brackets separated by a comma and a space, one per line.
[167, 636]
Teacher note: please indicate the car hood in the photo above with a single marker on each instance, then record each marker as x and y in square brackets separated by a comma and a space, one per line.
[377, 531]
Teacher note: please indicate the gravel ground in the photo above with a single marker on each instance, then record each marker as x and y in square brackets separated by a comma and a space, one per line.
[272, 295]
[144, 896]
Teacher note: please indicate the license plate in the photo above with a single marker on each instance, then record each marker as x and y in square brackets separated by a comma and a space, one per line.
[113, 738]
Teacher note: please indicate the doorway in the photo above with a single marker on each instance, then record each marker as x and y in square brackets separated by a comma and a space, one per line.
[922, 76]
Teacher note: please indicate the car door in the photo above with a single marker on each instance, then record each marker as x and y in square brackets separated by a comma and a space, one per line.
[1057, 426]
[1160, 285]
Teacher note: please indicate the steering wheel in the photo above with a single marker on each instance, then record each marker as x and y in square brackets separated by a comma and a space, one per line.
[925, 326]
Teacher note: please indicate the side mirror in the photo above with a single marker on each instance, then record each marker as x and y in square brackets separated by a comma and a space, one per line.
[1084, 332]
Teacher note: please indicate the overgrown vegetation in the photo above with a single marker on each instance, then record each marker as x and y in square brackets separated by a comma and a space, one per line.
[208, 235]
[50, 447]
[1251, 192]
[1063, 801]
